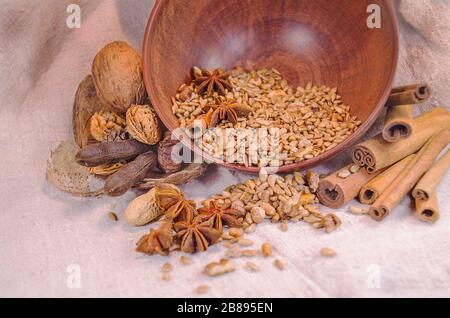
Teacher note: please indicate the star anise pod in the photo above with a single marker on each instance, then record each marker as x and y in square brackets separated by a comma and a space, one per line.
[217, 216]
[226, 109]
[210, 82]
[157, 241]
[196, 235]
[172, 201]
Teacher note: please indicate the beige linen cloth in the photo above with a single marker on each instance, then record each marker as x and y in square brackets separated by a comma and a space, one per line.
[52, 244]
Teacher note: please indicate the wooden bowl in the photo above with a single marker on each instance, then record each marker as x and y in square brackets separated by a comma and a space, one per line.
[327, 42]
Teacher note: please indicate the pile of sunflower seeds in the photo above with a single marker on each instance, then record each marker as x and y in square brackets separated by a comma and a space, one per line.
[278, 199]
[305, 122]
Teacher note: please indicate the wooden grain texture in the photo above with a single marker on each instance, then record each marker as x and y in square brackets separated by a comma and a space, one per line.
[326, 42]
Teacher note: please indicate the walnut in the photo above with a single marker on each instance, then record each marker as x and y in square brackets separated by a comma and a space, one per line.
[166, 160]
[107, 126]
[143, 125]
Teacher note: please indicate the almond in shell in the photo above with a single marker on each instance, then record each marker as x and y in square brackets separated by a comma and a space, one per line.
[117, 75]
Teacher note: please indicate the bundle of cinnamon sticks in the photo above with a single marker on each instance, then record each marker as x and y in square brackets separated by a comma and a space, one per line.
[403, 158]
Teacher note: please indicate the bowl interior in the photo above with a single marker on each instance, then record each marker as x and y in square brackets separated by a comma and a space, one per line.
[326, 42]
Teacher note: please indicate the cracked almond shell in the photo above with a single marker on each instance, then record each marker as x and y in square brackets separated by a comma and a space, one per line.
[117, 75]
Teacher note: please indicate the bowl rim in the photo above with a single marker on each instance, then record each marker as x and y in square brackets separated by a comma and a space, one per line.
[320, 159]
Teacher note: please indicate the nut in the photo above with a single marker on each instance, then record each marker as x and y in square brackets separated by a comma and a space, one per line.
[117, 75]
[269, 210]
[258, 214]
[358, 210]
[143, 125]
[279, 264]
[219, 268]
[143, 209]
[202, 289]
[328, 252]
[252, 267]
[245, 242]
[167, 268]
[107, 126]
[235, 232]
[266, 249]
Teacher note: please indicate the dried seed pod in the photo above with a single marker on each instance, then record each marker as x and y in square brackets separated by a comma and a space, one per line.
[107, 169]
[107, 126]
[85, 105]
[143, 124]
[110, 152]
[190, 172]
[117, 74]
[165, 156]
[130, 174]
[143, 209]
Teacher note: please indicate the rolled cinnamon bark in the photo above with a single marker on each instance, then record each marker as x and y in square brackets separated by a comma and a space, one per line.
[398, 124]
[427, 211]
[376, 153]
[404, 183]
[407, 95]
[429, 182]
[335, 191]
[375, 187]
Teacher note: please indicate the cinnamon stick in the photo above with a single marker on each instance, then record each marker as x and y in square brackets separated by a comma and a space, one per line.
[429, 182]
[376, 153]
[335, 191]
[407, 95]
[398, 123]
[427, 211]
[404, 183]
[375, 187]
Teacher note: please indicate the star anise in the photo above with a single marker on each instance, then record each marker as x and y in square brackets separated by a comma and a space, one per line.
[196, 235]
[217, 216]
[210, 82]
[172, 201]
[226, 109]
[157, 241]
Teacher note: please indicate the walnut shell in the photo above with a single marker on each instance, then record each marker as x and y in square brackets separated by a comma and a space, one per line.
[118, 79]
[143, 125]
[143, 209]
[107, 126]
[85, 105]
